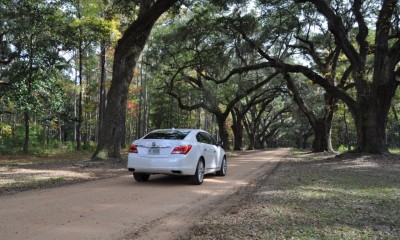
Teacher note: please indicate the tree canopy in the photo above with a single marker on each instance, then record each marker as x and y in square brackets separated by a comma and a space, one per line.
[318, 74]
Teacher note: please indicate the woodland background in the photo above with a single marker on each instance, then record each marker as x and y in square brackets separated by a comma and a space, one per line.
[206, 64]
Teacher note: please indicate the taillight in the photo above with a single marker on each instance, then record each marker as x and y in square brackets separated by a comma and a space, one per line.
[181, 149]
[133, 149]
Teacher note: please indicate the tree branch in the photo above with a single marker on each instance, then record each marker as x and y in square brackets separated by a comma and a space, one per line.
[362, 29]
[318, 79]
[147, 17]
[337, 28]
[242, 94]
[235, 71]
[310, 74]
[395, 51]
[311, 51]
[299, 100]
[382, 37]
[183, 106]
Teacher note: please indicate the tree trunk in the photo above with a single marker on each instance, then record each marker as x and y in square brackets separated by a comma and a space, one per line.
[237, 128]
[111, 136]
[305, 138]
[29, 102]
[103, 76]
[371, 120]
[396, 126]
[260, 143]
[371, 107]
[223, 131]
[322, 125]
[250, 134]
[346, 131]
[80, 97]
[26, 140]
[322, 136]
[127, 52]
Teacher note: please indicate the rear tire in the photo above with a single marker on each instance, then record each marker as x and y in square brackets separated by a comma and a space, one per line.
[141, 177]
[224, 167]
[198, 177]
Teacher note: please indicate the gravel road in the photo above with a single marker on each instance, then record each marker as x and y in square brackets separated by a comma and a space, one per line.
[119, 208]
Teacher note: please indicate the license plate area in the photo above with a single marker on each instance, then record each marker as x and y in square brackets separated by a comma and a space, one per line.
[154, 151]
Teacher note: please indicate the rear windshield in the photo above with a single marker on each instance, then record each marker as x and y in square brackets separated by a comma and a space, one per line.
[167, 134]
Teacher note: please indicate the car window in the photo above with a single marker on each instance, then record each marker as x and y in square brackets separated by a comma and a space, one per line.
[199, 138]
[204, 137]
[167, 134]
[210, 139]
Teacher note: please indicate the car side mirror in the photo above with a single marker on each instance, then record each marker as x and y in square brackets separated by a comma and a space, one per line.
[220, 144]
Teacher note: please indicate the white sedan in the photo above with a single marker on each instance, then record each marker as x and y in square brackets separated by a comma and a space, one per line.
[191, 152]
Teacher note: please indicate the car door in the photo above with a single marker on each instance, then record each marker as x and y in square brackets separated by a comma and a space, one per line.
[212, 149]
[206, 149]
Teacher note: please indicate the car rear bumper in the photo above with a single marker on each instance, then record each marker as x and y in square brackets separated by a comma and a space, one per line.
[179, 165]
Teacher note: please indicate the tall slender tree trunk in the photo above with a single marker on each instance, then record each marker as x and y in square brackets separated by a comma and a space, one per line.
[29, 102]
[80, 109]
[26, 140]
[88, 114]
[139, 124]
[76, 107]
[102, 96]
[80, 97]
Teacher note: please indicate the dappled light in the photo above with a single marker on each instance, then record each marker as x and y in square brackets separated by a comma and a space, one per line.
[248, 119]
[314, 196]
[120, 206]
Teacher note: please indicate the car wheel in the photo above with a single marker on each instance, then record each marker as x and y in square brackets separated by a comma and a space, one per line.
[224, 167]
[198, 176]
[141, 177]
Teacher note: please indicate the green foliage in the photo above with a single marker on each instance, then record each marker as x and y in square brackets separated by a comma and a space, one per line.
[40, 41]
[88, 26]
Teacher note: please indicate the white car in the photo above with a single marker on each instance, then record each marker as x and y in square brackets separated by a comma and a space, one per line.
[191, 152]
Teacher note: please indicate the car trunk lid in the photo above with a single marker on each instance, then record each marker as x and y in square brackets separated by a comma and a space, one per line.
[158, 148]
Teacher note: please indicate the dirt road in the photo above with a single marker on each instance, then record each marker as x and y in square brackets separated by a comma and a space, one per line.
[120, 208]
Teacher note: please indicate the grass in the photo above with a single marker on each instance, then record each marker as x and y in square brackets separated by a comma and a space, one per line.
[394, 150]
[336, 198]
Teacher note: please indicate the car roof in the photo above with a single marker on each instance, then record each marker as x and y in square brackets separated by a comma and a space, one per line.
[178, 129]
